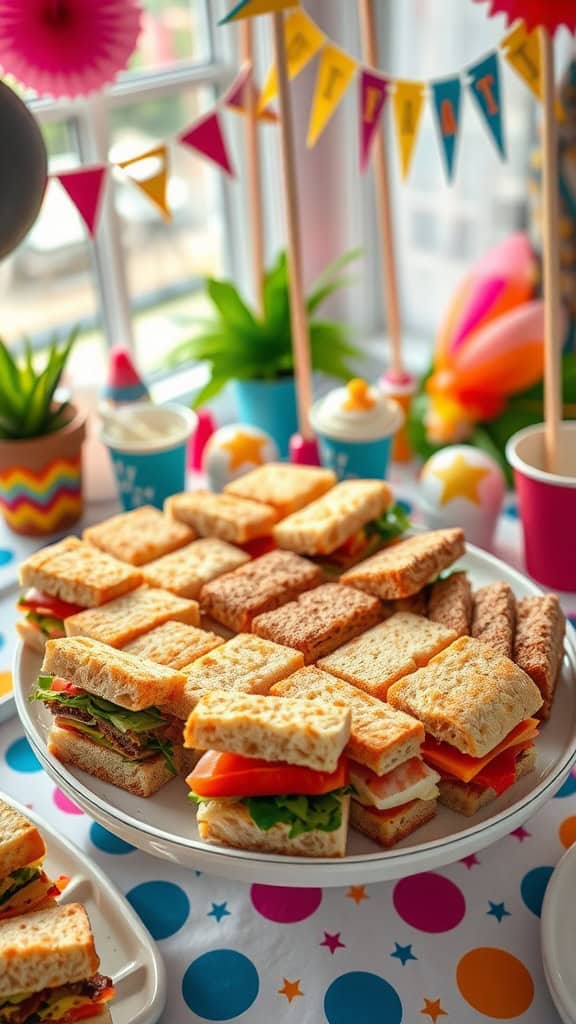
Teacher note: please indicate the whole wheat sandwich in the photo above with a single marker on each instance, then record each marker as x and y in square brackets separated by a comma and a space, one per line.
[49, 970]
[236, 520]
[393, 791]
[476, 707]
[113, 713]
[403, 568]
[450, 603]
[539, 644]
[185, 572]
[140, 536]
[128, 617]
[284, 487]
[24, 885]
[494, 617]
[273, 778]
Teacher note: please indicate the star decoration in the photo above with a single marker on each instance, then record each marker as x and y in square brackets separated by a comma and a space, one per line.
[245, 448]
[291, 989]
[521, 834]
[461, 480]
[433, 1010]
[332, 942]
[403, 954]
[357, 893]
[471, 861]
[497, 910]
[219, 910]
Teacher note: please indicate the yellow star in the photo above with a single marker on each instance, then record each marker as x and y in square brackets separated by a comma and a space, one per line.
[357, 893]
[245, 448]
[291, 989]
[433, 1010]
[460, 480]
[5, 683]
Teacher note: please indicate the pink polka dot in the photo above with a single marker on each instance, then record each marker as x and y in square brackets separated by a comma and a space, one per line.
[429, 902]
[64, 804]
[285, 905]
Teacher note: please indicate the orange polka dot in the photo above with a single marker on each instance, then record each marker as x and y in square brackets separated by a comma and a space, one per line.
[567, 832]
[495, 983]
[5, 683]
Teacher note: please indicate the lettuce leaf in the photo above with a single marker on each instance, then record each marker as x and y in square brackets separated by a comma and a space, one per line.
[301, 813]
[18, 880]
[155, 743]
[391, 524]
[121, 718]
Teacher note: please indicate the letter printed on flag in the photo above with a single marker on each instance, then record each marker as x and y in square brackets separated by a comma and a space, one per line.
[86, 189]
[521, 50]
[485, 87]
[153, 184]
[238, 95]
[207, 138]
[303, 41]
[408, 104]
[335, 74]
[373, 93]
[251, 8]
[447, 99]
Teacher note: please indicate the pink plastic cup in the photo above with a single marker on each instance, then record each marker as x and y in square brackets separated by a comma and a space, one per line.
[547, 504]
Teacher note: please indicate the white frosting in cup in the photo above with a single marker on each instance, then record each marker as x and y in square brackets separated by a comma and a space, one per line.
[371, 416]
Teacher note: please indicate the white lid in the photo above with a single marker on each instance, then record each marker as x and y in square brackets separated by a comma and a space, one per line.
[356, 413]
[145, 427]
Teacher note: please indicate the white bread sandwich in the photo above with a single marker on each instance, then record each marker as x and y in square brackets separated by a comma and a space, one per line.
[62, 580]
[404, 568]
[225, 516]
[113, 713]
[273, 778]
[539, 644]
[393, 791]
[140, 536]
[284, 487]
[476, 707]
[24, 885]
[175, 644]
[122, 620]
[185, 572]
[48, 970]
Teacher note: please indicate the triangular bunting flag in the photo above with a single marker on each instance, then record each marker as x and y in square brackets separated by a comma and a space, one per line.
[251, 8]
[447, 97]
[408, 104]
[521, 50]
[335, 74]
[484, 86]
[86, 188]
[153, 186]
[373, 93]
[238, 95]
[206, 137]
[303, 41]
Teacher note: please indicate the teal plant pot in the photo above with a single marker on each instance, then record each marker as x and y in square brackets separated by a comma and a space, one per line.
[269, 405]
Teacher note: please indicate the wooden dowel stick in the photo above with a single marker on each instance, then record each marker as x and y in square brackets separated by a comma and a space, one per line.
[551, 260]
[298, 315]
[383, 200]
[253, 170]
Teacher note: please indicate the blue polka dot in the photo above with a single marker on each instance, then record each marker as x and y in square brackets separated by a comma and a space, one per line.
[362, 998]
[107, 841]
[221, 985]
[406, 506]
[512, 511]
[568, 788]
[21, 758]
[2, 641]
[572, 619]
[533, 887]
[163, 907]
[6, 556]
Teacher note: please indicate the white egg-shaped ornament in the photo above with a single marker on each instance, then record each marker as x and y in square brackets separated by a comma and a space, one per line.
[235, 450]
[463, 486]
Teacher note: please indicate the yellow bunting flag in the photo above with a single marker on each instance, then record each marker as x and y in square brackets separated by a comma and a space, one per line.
[251, 8]
[408, 102]
[522, 51]
[152, 178]
[335, 74]
[303, 41]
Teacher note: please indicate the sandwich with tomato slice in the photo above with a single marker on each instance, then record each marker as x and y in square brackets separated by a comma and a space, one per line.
[49, 970]
[24, 885]
[274, 777]
[476, 707]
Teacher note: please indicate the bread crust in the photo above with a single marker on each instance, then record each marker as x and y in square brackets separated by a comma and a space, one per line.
[139, 536]
[20, 840]
[539, 645]
[450, 603]
[126, 618]
[46, 949]
[173, 644]
[230, 824]
[392, 829]
[321, 527]
[403, 568]
[233, 519]
[141, 778]
[494, 617]
[184, 572]
[285, 487]
[31, 637]
[466, 798]
[78, 573]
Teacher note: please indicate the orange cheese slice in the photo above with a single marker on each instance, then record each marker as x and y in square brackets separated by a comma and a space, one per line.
[447, 759]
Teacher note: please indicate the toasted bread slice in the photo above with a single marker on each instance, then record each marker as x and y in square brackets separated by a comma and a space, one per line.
[380, 737]
[450, 603]
[174, 644]
[539, 645]
[184, 572]
[20, 840]
[321, 527]
[78, 573]
[139, 536]
[46, 949]
[231, 825]
[260, 586]
[122, 620]
[233, 519]
[387, 652]
[320, 620]
[494, 617]
[389, 827]
[468, 798]
[402, 569]
[468, 696]
[286, 488]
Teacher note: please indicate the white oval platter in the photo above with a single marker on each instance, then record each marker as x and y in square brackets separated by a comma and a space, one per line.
[558, 932]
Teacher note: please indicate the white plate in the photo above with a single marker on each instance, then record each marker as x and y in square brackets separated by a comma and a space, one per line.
[128, 954]
[559, 936]
[164, 825]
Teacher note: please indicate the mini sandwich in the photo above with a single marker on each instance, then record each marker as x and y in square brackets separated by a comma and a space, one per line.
[113, 713]
[48, 970]
[185, 572]
[122, 620]
[450, 603]
[140, 536]
[64, 579]
[476, 708]
[494, 617]
[284, 487]
[273, 778]
[225, 516]
[24, 886]
[402, 569]
[175, 644]
[539, 644]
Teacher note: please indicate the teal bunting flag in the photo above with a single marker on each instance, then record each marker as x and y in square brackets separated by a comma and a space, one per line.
[484, 85]
[447, 96]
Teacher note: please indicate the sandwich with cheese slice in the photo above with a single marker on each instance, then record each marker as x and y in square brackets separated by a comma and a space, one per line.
[24, 885]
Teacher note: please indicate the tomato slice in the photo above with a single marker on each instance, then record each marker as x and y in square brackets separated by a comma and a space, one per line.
[259, 546]
[500, 774]
[60, 685]
[37, 601]
[219, 775]
[82, 1012]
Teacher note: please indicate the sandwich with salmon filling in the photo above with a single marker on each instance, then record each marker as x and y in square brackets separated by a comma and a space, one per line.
[476, 707]
[48, 970]
[274, 777]
[24, 885]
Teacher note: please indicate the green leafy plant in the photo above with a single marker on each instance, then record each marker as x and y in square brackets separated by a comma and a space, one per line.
[27, 405]
[239, 344]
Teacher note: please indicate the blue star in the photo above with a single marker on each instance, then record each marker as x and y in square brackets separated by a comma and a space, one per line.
[219, 910]
[403, 953]
[197, 873]
[497, 910]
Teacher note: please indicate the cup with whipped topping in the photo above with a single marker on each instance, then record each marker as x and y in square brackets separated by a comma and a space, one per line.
[355, 426]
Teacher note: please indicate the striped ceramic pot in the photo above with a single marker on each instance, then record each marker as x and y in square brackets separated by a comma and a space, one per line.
[41, 479]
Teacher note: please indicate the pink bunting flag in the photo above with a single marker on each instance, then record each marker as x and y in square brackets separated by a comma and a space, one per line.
[207, 138]
[373, 93]
[86, 188]
[238, 95]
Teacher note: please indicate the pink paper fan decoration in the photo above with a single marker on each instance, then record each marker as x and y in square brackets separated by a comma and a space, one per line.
[67, 47]
[548, 13]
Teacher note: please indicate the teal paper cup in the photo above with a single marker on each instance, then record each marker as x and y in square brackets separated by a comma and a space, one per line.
[351, 457]
[148, 448]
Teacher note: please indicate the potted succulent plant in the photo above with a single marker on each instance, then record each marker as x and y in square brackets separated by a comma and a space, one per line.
[40, 442]
[253, 351]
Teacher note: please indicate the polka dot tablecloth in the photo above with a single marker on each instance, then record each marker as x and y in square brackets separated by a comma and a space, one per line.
[460, 944]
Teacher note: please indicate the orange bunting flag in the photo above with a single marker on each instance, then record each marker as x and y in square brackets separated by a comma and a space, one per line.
[153, 176]
[238, 96]
[335, 74]
[303, 41]
[408, 102]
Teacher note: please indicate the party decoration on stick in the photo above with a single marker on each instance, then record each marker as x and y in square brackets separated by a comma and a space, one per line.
[253, 171]
[23, 170]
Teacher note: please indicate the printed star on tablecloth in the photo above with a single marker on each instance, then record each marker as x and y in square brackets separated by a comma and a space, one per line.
[244, 447]
[357, 893]
[498, 910]
[403, 954]
[290, 989]
[433, 1009]
[471, 861]
[521, 834]
[332, 942]
[219, 910]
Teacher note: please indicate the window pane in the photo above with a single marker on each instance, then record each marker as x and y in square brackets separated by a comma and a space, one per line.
[173, 31]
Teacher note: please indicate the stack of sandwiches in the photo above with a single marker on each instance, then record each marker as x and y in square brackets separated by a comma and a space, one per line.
[24, 885]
